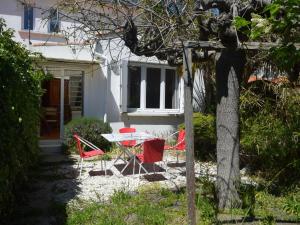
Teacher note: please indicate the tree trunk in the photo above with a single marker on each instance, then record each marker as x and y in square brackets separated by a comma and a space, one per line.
[229, 71]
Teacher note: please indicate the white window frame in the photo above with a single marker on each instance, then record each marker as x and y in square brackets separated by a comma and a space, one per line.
[143, 111]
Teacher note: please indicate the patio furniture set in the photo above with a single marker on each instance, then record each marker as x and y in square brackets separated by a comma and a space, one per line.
[137, 148]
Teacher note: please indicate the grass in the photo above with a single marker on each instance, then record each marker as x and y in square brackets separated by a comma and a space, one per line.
[150, 206]
[269, 209]
[159, 206]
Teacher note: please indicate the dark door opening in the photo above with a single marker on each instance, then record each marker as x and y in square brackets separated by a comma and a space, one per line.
[50, 110]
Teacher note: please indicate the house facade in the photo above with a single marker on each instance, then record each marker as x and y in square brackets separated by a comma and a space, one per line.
[106, 82]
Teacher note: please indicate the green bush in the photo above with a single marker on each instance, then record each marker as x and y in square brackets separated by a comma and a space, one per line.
[204, 136]
[19, 109]
[292, 203]
[88, 128]
[269, 132]
[270, 121]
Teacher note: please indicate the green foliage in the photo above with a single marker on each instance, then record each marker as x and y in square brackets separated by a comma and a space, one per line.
[19, 109]
[247, 194]
[151, 206]
[284, 17]
[292, 204]
[268, 206]
[206, 201]
[285, 56]
[88, 128]
[279, 21]
[204, 136]
[155, 205]
[256, 28]
[240, 22]
[207, 210]
[270, 122]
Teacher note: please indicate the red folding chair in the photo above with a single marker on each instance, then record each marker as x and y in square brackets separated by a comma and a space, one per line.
[179, 145]
[128, 130]
[126, 144]
[153, 151]
[94, 151]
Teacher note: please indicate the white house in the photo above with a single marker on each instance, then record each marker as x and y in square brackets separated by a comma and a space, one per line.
[112, 85]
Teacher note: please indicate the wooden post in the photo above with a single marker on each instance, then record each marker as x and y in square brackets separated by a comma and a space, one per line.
[189, 135]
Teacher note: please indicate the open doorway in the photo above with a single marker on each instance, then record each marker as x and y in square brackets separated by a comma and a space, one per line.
[61, 102]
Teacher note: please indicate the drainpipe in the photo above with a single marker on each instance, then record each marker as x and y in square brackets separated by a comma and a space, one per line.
[103, 60]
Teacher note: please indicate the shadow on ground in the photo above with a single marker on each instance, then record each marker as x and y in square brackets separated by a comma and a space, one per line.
[129, 170]
[51, 185]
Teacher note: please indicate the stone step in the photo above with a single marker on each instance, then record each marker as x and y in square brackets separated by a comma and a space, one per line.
[50, 146]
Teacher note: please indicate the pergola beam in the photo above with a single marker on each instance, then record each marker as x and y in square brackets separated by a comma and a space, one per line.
[215, 45]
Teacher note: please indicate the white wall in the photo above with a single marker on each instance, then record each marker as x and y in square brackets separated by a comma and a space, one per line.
[101, 83]
[151, 123]
[13, 13]
[94, 92]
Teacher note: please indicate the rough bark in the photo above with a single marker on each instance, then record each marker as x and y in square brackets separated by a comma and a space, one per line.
[229, 70]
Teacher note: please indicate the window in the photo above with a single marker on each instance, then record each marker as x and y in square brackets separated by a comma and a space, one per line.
[76, 93]
[153, 88]
[150, 88]
[54, 21]
[134, 82]
[75, 80]
[28, 17]
[170, 95]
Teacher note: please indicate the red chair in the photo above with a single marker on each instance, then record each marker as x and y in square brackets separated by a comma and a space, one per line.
[179, 145]
[153, 151]
[93, 151]
[128, 130]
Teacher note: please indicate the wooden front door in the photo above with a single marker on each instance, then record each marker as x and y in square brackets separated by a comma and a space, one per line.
[50, 109]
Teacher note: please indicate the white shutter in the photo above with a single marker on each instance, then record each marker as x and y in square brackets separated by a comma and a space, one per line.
[123, 86]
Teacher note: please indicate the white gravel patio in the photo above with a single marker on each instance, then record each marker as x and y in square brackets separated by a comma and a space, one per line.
[98, 187]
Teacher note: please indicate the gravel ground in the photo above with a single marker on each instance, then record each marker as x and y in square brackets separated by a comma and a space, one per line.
[91, 187]
[57, 181]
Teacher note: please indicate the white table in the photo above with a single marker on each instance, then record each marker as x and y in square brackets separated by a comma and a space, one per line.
[119, 137]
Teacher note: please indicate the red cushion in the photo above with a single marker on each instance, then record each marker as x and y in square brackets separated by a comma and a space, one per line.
[92, 153]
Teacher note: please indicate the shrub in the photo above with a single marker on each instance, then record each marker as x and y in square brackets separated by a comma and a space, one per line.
[270, 122]
[19, 109]
[292, 204]
[88, 128]
[204, 136]
[206, 200]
